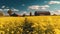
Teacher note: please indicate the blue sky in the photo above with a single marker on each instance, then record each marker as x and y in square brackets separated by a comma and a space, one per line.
[23, 6]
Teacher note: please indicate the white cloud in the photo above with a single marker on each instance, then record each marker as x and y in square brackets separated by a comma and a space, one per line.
[54, 2]
[1, 10]
[15, 9]
[52, 12]
[24, 12]
[57, 12]
[37, 7]
[3, 7]
[8, 9]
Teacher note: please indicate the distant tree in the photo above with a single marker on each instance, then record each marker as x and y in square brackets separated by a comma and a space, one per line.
[24, 15]
[30, 13]
[35, 13]
[1, 13]
[54, 14]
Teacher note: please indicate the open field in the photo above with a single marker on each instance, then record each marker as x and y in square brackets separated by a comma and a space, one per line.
[30, 25]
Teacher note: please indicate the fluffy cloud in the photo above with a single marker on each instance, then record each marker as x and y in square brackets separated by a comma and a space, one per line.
[57, 12]
[54, 2]
[3, 7]
[37, 7]
[34, 7]
[1, 10]
[8, 9]
[24, 12]
[15, 9]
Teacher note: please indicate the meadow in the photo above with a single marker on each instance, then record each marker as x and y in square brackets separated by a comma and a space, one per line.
[30, 25]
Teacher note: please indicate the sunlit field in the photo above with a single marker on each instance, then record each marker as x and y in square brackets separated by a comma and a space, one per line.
[30, 25]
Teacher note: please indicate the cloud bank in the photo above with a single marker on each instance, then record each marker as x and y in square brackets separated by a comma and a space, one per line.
[54, 2]
[37, 7]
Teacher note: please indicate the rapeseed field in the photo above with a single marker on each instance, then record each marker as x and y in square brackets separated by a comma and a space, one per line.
[30, 25]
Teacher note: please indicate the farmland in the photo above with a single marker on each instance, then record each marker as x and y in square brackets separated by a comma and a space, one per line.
[30, 25]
